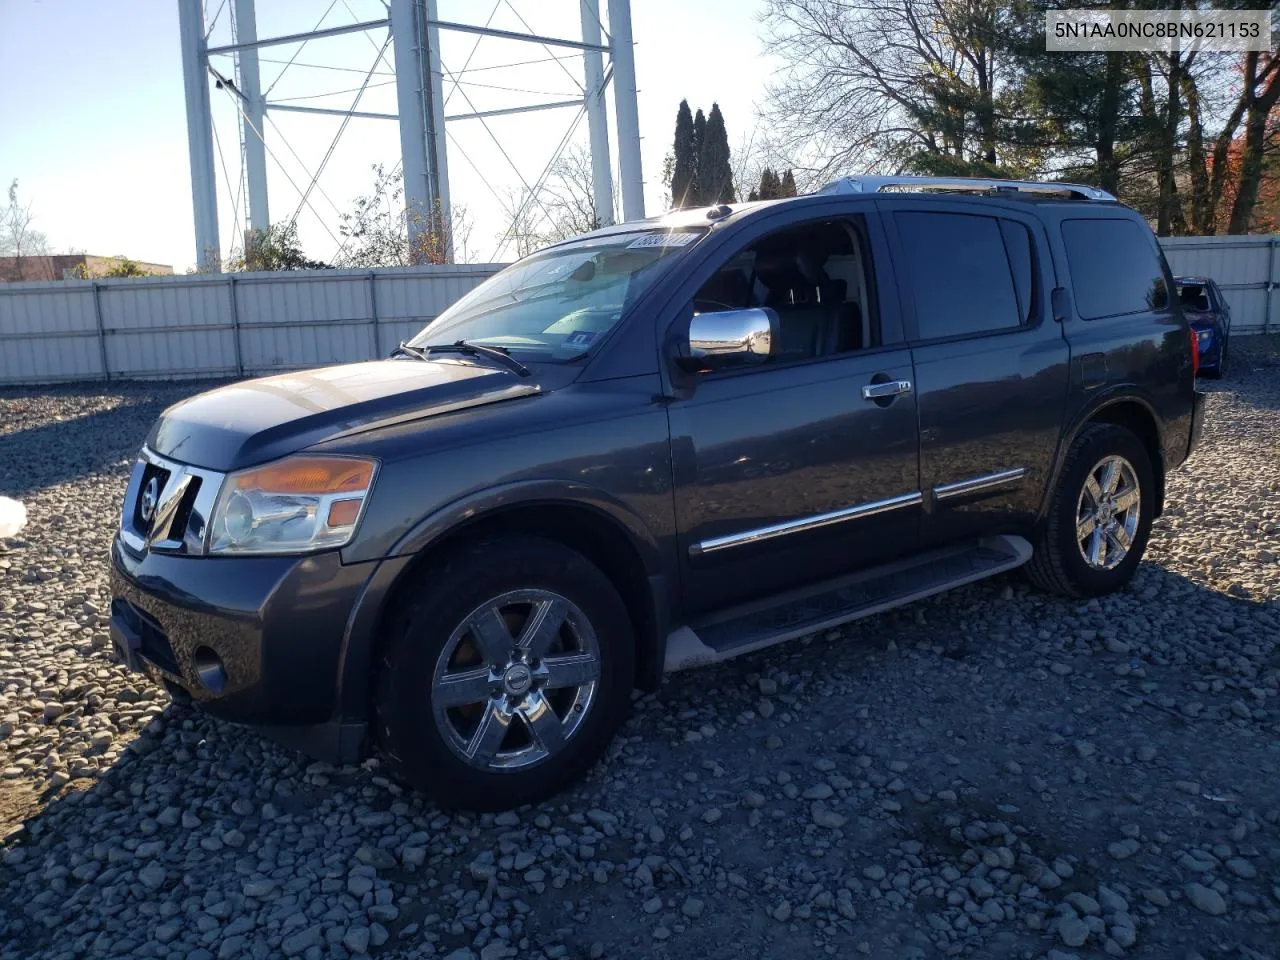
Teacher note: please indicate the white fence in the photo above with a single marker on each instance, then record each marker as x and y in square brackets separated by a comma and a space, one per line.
[251, 323]
[1246, 268]
[217, 325]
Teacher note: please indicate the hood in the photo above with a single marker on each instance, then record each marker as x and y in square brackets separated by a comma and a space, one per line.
[1200, 319]
[259, 420]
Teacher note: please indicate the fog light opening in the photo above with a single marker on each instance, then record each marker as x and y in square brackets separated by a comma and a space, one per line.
[209, 670]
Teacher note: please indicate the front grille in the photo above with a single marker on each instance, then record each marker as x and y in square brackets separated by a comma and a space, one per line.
[153, 485]
[153, 642]
[152, 472]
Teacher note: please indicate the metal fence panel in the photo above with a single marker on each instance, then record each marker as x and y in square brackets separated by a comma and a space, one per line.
[252, 323]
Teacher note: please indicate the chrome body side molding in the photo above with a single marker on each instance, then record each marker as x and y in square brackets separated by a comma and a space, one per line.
[802, 524]
[960, 488]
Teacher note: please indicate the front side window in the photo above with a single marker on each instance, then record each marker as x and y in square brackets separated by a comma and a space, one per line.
[962, 277]
[1115, 268]
[816, 277]
[554, 305]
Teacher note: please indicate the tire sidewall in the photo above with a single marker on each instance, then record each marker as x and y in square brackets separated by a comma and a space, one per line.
[1095, 447]
[452, 591]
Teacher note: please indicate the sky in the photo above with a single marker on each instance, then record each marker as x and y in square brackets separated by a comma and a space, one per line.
[98, 142]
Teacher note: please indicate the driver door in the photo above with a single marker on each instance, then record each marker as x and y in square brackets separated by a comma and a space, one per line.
[786, 473]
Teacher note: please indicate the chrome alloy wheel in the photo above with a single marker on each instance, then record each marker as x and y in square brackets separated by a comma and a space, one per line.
[515, 680]
[1107, 513]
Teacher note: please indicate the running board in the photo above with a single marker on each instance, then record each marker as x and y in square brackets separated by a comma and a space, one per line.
[810, 609]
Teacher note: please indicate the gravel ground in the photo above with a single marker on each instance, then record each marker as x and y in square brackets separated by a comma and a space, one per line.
[993, 773]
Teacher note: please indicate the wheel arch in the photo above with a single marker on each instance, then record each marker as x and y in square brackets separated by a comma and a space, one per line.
[604, 531]
[1133, 413]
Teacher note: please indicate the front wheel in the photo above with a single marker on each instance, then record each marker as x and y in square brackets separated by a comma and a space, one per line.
[508, 670]
[1100, 516]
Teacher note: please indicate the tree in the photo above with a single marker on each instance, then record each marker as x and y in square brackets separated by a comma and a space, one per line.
[1259, 97]
[563, 208]
[697, 197]
[18, 238]
[376, 231]
[120, 266]
[787, 187]
[276, 248]
[965, 87]
[715, 170]
[769, 186]
[891, 85]
[683, 178]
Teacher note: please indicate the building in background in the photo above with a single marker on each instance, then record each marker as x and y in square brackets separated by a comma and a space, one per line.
[71, 266]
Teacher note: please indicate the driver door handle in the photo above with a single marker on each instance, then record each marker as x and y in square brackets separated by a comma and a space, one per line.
[890, 388]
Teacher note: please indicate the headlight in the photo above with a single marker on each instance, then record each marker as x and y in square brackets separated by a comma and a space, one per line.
[295, 505]
[1205, 335]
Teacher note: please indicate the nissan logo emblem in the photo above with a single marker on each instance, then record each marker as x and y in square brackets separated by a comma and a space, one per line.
[150, 499]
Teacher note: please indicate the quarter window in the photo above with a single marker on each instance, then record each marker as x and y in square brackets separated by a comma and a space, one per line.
[1115, 269]
[961, 275]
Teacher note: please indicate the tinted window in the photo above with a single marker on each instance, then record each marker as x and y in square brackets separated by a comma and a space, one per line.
[1018, 245]
[1114, 268]
[959, 273]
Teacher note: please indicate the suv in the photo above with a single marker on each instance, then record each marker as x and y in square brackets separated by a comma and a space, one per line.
[662, 444]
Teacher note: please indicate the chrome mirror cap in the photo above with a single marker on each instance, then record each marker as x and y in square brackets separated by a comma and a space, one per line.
[729, 338]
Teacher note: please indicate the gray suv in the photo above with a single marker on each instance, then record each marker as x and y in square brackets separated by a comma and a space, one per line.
[659, 445]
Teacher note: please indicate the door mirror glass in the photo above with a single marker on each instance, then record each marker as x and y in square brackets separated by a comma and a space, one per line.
[730, 338]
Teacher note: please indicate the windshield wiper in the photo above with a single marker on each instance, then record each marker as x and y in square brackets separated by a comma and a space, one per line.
[501, 354]
[408, 351]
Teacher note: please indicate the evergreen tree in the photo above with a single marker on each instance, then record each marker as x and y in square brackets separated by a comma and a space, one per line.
[684, 168]
[787, 186]
[715, 175]
[768, 189]
[696, 196]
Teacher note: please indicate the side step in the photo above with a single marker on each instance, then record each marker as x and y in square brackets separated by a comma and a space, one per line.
[809, 609]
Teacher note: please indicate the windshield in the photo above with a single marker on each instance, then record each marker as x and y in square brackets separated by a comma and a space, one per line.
[554, 305]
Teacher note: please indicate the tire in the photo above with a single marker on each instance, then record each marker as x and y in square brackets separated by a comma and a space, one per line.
[453, 675]
[1059, 563]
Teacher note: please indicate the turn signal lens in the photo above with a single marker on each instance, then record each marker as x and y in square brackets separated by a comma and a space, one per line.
[296, 505]
[310, 475]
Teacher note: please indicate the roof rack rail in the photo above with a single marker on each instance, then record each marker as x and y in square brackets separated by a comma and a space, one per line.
[878, 184]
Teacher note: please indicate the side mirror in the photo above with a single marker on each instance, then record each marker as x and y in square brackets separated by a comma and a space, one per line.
[729, 338]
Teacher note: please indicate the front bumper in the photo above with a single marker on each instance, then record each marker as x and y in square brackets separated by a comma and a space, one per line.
[254, 640]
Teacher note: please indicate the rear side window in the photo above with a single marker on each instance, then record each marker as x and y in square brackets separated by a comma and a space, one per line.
[960, 273]
[1114, 268]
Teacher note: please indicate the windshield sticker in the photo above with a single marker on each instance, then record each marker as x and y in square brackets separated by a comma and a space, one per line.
[580, 338]
[663, 240]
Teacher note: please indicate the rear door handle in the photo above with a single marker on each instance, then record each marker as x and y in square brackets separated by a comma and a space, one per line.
[890, 388]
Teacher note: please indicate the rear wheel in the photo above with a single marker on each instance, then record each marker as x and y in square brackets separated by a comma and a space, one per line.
[1100, 516]
[509, 668]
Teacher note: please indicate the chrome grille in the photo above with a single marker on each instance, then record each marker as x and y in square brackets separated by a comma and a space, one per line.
[167, 505]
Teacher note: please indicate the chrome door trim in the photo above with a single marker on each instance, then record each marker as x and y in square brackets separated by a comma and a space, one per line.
[988, 481]
[805, 523]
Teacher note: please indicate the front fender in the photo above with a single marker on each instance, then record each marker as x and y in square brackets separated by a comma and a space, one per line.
[573, 493]
[363, 625]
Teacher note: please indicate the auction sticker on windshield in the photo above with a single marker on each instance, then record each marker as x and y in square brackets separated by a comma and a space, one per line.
[663, 240]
